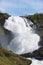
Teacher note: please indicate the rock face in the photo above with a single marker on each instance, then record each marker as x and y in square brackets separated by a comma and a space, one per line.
[37, 54]
[3, 16]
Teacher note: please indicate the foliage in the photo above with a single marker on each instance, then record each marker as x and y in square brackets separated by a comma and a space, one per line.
[37, 17]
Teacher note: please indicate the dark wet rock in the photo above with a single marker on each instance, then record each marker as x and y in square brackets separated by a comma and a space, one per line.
[37, 54]
[41, 41]
[3, 17]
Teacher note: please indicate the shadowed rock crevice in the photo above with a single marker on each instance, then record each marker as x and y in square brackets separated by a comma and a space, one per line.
[37, 54]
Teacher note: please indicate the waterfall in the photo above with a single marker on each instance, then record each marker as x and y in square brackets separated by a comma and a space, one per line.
[25, 40]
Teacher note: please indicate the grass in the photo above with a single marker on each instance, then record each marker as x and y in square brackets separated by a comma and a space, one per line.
[10, 58]
[5, 61]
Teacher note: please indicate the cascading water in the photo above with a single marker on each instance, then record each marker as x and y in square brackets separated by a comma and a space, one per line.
[24, 39]
[36, 62]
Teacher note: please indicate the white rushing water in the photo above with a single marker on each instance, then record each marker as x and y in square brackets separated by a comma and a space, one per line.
[24, 39]
[36, 62]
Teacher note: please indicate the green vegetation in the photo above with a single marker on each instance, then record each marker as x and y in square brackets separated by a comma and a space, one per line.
[9, 58]
[38, 20]
[37, 17]
[3, 15]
